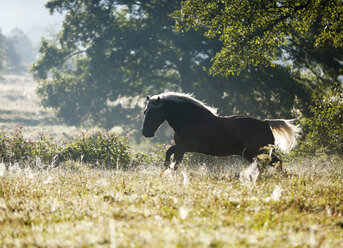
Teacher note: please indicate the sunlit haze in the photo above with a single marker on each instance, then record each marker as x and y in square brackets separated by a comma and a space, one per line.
[31, 16]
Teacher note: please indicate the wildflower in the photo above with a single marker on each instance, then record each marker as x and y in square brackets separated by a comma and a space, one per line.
[2, 169]
[185, 179]
[48, 180]
[183, 211]
[3, 204]
[276, 195]
[250, 174]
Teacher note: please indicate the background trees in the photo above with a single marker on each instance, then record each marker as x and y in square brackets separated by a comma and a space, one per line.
[9, 58]
[112, 53]
[303, 36]
[261, 32]
[15, 51]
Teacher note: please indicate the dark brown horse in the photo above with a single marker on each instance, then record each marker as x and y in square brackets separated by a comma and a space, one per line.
[198, 129]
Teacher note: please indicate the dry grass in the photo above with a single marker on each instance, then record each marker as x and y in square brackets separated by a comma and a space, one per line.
[20, 104]
[199, 206]
[17, 93]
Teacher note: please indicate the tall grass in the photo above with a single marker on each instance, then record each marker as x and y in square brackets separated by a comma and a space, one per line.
[198, 206]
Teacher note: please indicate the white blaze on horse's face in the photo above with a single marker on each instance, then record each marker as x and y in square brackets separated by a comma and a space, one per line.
[154, 117]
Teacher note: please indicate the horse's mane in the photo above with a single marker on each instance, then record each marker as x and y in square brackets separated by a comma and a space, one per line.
[183, 97]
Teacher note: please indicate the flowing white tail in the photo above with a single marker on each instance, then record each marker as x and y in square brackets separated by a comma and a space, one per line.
[285, 133]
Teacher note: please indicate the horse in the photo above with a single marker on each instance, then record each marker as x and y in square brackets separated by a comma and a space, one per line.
[199, 129]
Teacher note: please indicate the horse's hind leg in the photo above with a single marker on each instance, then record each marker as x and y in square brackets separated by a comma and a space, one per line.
[178, 156]
[248, 155]
[169, 152]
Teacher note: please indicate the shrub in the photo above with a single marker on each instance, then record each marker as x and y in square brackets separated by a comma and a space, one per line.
[97, 147]
[16, 148]
[324, 129]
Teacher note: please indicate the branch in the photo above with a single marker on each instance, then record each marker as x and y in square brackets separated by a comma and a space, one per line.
[73, 54]
[276, 21]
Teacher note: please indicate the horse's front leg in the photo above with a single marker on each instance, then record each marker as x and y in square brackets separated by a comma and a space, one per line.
[169, 152]
[178, 156]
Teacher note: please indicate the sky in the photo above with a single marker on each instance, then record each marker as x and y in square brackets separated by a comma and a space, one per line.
[30, 16]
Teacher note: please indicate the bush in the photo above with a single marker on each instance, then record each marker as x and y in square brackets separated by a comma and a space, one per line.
[324, 130]
[16, 148]
[97, 147]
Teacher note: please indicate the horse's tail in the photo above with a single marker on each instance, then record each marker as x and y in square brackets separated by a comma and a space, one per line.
[285, 133]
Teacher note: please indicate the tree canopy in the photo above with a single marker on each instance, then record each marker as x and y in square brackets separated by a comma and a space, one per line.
[111, 49]
[261, 32]
[10, 60]
[111, 53]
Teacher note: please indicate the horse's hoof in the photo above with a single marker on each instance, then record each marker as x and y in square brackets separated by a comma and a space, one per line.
[166, 165]
[174, 166]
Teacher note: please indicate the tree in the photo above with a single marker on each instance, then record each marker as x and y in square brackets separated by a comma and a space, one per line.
[111, 53]
[304, 36]
[261, 32]
[324, 130]
[107, 50]
[2, 55]
[23, 46]
[9, 58]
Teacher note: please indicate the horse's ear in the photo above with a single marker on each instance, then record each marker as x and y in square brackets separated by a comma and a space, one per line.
[156, 102]
[147, 98]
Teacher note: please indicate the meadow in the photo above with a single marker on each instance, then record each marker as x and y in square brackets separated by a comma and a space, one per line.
[20, 104]
[206, 203]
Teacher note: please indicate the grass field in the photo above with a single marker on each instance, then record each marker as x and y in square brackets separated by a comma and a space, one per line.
[200, 205]
[19, 104]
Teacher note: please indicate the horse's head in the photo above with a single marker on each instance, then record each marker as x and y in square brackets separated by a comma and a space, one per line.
[154, 117]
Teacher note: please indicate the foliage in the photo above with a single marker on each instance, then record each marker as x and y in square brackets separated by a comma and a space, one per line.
[10, 60]
[108, 50]
[110, 54]
[256, 32]
[324, 129]
[303, 37]
[23, 46]
[16, 148]
[98, 148]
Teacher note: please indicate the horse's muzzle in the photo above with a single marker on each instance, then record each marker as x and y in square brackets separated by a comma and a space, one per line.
[148, 134]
